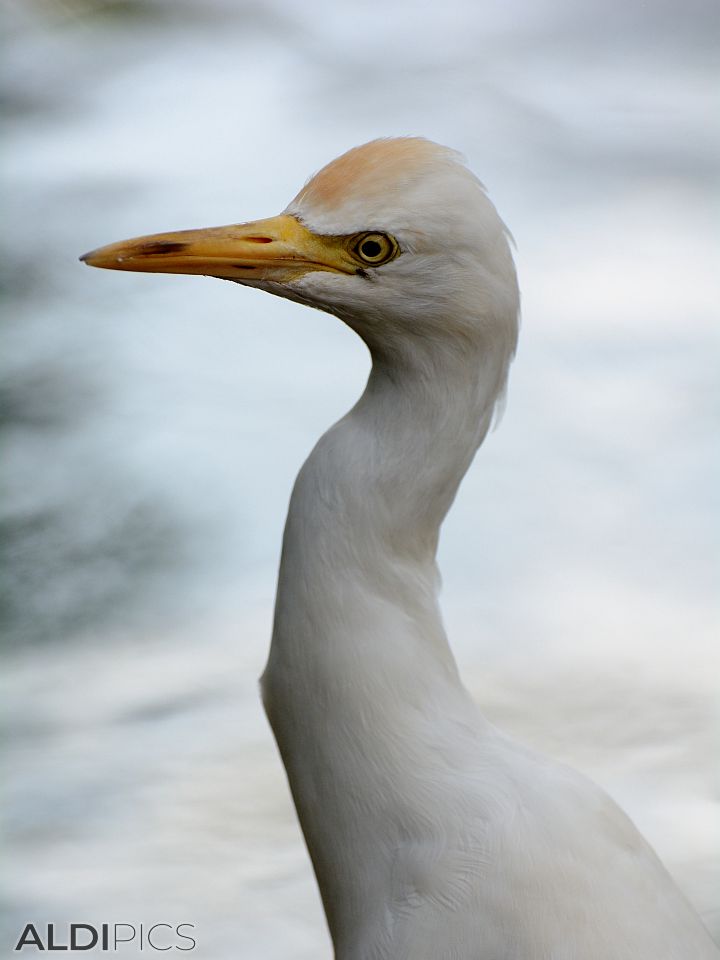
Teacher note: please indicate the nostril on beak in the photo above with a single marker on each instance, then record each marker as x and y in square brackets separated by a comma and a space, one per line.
[258, 239]
[148, 249]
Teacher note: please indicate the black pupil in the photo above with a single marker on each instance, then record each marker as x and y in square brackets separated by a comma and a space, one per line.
[370, 249]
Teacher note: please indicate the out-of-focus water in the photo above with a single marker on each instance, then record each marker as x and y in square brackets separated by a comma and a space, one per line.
[153, 426]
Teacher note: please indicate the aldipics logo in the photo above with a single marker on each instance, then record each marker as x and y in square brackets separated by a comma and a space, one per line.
[112, 937]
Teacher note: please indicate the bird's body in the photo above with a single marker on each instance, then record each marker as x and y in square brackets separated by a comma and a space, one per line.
[433, 835]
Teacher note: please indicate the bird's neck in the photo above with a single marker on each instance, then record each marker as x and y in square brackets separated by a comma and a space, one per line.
[361, 688]
[366, 510]
[357, 589]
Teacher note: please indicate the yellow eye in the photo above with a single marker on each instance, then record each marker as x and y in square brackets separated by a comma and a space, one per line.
[375, 248]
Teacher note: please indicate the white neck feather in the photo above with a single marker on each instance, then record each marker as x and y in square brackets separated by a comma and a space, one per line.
[361, 687]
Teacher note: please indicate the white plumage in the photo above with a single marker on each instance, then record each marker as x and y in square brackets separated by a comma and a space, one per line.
[433, 835]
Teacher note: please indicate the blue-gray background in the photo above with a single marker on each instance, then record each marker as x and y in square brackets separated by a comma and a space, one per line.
[152, 426]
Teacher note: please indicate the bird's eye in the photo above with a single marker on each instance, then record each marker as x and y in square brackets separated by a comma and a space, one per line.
[375, 249]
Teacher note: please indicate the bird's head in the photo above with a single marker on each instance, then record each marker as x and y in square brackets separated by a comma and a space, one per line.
[397, 237]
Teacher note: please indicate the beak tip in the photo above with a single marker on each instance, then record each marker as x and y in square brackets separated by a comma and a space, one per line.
[100, 258]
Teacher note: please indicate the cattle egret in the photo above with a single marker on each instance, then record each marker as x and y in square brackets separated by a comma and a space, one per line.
[433, 835]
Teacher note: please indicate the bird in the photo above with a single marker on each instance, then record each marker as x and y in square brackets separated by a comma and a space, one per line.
[433, 834]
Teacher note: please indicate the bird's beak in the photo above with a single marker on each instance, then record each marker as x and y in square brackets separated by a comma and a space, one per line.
[280, 248]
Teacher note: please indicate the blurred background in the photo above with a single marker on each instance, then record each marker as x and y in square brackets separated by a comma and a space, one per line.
[152, 427]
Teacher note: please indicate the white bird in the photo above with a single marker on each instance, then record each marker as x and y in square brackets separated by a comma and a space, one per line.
[433, 835]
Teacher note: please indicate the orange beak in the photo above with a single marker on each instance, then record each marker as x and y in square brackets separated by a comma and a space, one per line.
[280, 248]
